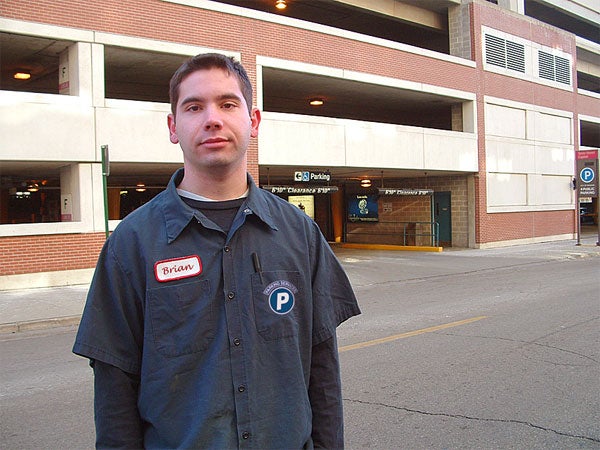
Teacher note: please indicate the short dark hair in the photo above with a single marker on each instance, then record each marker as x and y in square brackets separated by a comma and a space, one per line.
[206, 61]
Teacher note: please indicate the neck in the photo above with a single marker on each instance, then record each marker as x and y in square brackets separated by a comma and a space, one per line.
[215, 184]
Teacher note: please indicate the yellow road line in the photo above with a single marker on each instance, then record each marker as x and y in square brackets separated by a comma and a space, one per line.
[409, 334]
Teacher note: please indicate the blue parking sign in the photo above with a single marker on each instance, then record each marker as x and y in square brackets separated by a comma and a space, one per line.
[587, 166]
[587, 175]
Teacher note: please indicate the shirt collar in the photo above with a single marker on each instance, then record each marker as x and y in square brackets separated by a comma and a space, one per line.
[178, 214]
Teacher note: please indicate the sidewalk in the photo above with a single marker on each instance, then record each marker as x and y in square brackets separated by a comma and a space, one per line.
[40, 308]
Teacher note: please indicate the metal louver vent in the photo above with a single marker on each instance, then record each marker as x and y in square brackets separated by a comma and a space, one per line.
[563, 70]
[515, 56]
[495, 53]
[502, 53]
[546, 65]
[554, 68]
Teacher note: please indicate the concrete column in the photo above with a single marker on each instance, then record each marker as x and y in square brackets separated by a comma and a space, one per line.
[81, 195]
[75, 71]
[70, 206]
[517, 6]
[469, 119]
[98, 91]
[459, 31]
[337, 215]
[457, 118]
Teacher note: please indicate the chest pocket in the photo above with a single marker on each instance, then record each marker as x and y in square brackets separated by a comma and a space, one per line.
[279, 306]
[182, 317]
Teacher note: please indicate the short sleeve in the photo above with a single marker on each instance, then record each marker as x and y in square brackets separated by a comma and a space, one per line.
[111, 328]
[333, 297]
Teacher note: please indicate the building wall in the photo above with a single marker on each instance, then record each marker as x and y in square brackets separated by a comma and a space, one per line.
[519, 172]
[287, 139]
[47, 253]
[527, 138]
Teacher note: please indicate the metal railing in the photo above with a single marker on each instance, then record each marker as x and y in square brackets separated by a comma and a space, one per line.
[397, 233]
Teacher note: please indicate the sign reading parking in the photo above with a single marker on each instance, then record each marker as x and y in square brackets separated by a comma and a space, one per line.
[587, 172]
[311, 177]
[587, 175]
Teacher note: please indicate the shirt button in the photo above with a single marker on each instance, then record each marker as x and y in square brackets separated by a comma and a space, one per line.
[237, 342]
[245, 435]
[227, 249]
[231, 295]
[242, 388]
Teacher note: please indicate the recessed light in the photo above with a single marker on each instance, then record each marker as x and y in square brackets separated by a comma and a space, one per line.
[22, 75]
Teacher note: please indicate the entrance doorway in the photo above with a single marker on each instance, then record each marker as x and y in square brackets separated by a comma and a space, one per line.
[442, 214]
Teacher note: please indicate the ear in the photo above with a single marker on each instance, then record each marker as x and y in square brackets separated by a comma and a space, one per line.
[254, 122]
[172, 129]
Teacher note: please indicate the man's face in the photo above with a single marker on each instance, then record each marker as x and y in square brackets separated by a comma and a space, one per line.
[211, 121]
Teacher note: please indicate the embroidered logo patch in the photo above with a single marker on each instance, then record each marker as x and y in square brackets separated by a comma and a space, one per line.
[281, 296]
[178, 268]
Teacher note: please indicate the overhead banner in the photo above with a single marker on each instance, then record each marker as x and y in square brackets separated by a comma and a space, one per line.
[301, 190]
[404, 191]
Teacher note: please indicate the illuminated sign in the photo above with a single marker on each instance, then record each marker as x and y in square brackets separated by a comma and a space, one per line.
[363, 208]
[311, 177]
[404, 191]
[301, 189]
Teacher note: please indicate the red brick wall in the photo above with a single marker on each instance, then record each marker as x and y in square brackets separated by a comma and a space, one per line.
[156, 19]
[587, 105]
[527, 225]
[48, 253]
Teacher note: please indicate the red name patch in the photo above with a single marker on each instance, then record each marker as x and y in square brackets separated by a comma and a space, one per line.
[178, 268]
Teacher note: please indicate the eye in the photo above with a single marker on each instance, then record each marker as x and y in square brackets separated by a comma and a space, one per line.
[193, 108]
[229, 105]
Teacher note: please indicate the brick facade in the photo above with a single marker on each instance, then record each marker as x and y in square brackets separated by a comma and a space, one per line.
[49, 253]
[160, 20]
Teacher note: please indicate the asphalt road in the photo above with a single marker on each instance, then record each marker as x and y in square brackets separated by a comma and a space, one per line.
[458, 350]
[522, 372]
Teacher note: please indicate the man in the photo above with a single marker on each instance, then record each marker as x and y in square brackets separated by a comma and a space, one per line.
[210, 321]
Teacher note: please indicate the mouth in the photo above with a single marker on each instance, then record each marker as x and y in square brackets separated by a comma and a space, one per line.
[213, 141]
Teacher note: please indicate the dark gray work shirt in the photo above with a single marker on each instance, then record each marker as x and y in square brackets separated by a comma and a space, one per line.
[222, 345]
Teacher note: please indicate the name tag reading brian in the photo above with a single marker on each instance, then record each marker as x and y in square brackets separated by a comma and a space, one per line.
[178, 268]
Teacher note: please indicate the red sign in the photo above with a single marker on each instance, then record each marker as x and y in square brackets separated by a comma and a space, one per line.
[586, 154]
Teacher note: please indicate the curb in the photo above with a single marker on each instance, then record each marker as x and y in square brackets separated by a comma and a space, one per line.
[404, 248]
[40, 324]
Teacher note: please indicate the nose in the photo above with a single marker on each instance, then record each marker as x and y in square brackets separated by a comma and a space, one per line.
[213, 119]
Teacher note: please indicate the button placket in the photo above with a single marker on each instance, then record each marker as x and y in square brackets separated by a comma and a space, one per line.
[233, 271]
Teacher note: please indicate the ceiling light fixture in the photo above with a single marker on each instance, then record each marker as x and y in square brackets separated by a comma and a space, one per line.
[365, 183]
[22, 75]
[280, 4]
[316, 101]
[33, 187]
[140, 187]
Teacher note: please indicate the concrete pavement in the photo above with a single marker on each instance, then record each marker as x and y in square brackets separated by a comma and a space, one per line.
[40, 308]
